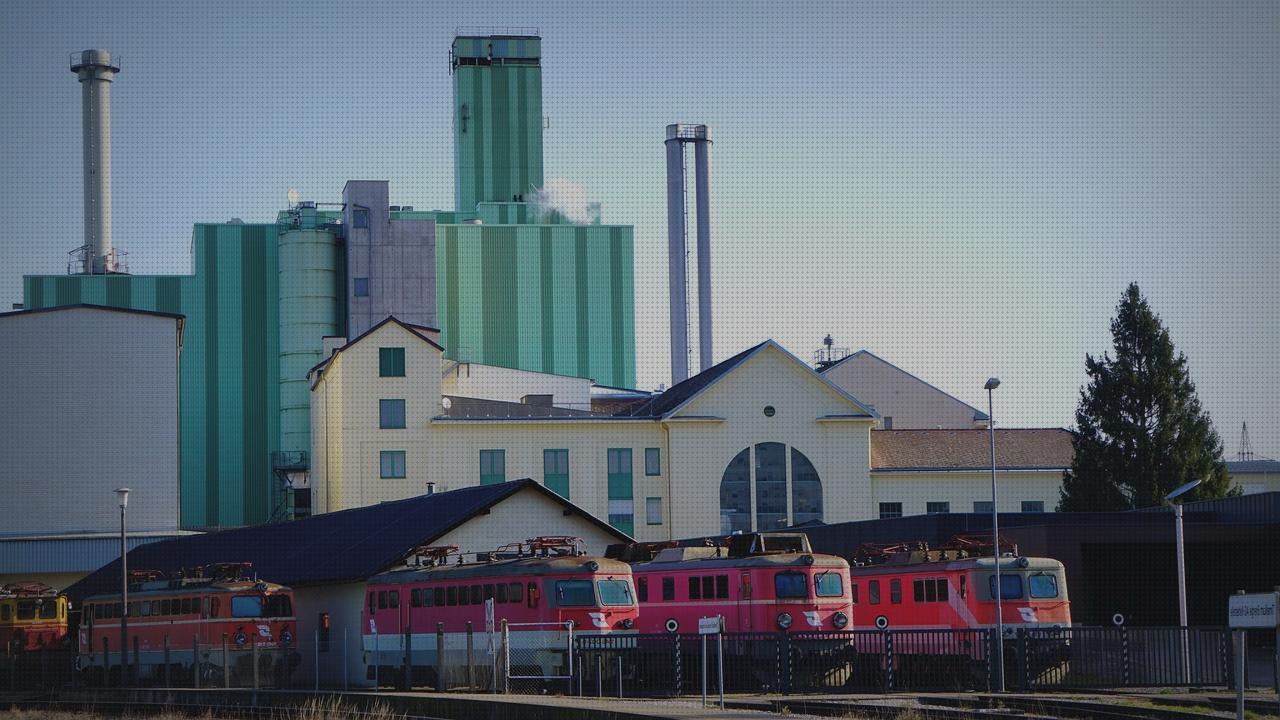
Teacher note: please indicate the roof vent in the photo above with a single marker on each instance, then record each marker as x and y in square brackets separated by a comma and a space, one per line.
[538, 400]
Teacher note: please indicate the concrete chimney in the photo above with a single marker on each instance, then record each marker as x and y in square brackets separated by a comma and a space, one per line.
[678, 244]
[96, 70]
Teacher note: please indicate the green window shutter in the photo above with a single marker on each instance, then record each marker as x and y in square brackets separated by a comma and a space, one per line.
[555, 471]
[621, 494]
[392, 464]
[493, 467]
[391, 362]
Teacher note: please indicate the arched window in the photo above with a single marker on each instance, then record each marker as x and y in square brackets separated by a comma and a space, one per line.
[766, 465]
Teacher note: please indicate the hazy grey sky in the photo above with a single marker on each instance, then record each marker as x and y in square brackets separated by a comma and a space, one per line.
[962, 188]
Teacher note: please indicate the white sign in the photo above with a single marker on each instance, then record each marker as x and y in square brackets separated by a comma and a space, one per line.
[1256, 610]
[709, 625]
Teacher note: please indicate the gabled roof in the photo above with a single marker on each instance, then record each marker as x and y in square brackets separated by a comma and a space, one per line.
[344, 546]
[1016, 449]
[977, 414]
[415, 330]
[91, 306]
[667, 403]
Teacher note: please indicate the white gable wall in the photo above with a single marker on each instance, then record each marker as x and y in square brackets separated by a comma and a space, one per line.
[895, 393]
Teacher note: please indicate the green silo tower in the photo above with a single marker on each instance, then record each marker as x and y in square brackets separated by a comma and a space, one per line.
[497, 115]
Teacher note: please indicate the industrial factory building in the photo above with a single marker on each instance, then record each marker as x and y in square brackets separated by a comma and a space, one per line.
[91, 405]
[510, 281]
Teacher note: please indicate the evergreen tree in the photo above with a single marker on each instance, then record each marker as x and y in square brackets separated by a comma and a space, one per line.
[1141, 431]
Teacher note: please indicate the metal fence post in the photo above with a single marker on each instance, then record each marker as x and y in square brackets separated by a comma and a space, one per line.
[44, 669]
[408, 657]
[788, 663]
[195, 661]
[315, 663]
[167, 679]
[345, 660]
[719, 665]
[599, 675]
[679, 688]
[135, 668]
[226, 664]
[619, 675]
[440, 683]
[106, 664]
[888, 660]
[986, 638]
[253, 654]
[506, 657]
[1024, 660]
[1124, 653]
[471, 656]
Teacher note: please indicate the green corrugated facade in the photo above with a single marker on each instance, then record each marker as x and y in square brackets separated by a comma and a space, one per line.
[229, 386]
[548, 298]
[497, 119]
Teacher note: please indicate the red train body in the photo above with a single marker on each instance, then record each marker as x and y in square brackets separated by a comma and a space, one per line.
[228, 608]
[905, 587]
[760, 582]
[545, 591]
[32, 616]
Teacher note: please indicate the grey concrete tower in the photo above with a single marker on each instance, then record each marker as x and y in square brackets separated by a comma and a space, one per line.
[677, 244]
[96, 70]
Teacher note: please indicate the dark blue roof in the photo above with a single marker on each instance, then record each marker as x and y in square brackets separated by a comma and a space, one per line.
[678, 394]
[336, 547]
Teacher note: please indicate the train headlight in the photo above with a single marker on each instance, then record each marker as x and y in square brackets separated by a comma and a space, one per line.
[840, 620]
[628, 623]
[241, 638]
[784, 620]
[286, 637]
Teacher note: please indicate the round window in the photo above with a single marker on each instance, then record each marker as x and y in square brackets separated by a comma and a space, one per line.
[769, 411]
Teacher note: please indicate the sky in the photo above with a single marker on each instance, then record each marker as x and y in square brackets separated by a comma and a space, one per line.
[964, 189]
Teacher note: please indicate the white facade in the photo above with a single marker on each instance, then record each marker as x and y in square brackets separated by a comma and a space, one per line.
[91, 405]
[903, 401]
[767, 443]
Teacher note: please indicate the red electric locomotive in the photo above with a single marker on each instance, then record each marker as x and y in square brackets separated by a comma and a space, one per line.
[910, 586]
[188, 621]
[32, 616]
[759, 582]
[546, 590]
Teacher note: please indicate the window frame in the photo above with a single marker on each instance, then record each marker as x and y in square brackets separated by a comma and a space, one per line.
[887, 513]
[492, 477]
[652, 510]
[652, 462]
[385, 408]
[390, 360]
[384, 456]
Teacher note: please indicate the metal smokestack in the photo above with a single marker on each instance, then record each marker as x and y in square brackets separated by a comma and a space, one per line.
[677, 245]
[96, 70]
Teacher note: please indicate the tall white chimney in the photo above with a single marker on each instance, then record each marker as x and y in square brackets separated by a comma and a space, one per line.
[96, 70]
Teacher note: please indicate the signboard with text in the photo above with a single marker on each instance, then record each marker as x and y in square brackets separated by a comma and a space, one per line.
[709, 625]
[1255, 610]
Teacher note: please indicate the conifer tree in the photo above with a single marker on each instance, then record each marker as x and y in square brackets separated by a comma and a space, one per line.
[1140, 430]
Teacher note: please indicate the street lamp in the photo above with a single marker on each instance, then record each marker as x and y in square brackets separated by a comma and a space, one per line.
[1182, 575]
[123, 495]
[991, 385]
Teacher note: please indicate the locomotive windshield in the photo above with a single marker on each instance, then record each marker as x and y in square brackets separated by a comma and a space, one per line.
[791, 585]
[828, 584]
[574, 593]
[1043, 586]
[254, 606]
[614, 592]
[1010, 586]
[26, 609]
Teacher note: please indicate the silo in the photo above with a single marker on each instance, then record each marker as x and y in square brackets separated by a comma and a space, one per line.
[308, 312]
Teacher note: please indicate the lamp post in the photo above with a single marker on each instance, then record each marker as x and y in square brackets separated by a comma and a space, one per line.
[123, 495]
[1182, 576]
[991, 385]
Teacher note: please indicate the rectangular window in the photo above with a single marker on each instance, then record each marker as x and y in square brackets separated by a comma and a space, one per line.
[477, 594]
[514, 593]
[1043, 586]
[982, 506]
[708, 587]
[493, 467]
[502, 593]
[621, 502]
[453, 595]
[359, 218]
[917, 590]
[642, 588]
[1010, 587]
[828, 584]
[575, 593]
[653, 511]
[668, 588]
[873, 592]
[695, 589]
[895, 591]
[790, 585]
[555, 471]
[488, 592]
[931, 590]
[361, 287]
[888, 422]
[853, 593]
[890, 510]
[391, 464]
[464, 595]
[653, 461]
[393, 599]
[722, 587]
[382, 599]
[391, 414]
[438, 598]
[1032, 506]
[415, 598]
[937, 508]
[942, 589]
[391, 362]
